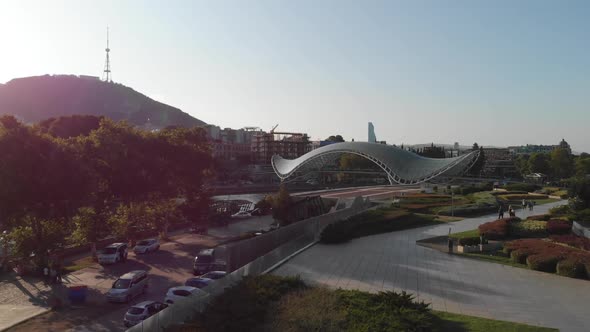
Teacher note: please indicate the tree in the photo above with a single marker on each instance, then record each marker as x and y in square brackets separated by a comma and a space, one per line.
[582, 165]
[89, 227]
[335, 138]
[281, 203]
[561, 163]
[522, 164]
[579, 191]
[70, 126]
[475, 147]
[539, 163]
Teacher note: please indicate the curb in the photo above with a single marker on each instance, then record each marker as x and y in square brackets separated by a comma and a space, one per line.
[284, 260]
[25, 319]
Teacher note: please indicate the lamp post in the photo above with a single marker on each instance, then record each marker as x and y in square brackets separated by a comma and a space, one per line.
[452, 203]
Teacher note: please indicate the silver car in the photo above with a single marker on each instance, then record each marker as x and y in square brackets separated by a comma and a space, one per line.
[142, 311]
[128, 286]
[145, 246]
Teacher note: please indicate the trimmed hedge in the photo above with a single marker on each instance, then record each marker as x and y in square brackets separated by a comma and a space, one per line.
[512, 192]
[573, 240]
[528, 187]
[559, 226]
[572, 267]
[497, 229]
[543, 262]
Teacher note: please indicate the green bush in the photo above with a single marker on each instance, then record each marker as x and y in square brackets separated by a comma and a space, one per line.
[572, 268]
[244, 306]
[528, 228]
[544, 217]
[519, 256]
[528, 187]
[512, 192]
[561, 210]
[543, 262]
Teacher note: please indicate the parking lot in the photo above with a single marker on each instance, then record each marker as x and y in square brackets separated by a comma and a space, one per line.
[168, 267]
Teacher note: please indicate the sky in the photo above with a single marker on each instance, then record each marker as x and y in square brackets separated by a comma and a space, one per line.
[493, 72]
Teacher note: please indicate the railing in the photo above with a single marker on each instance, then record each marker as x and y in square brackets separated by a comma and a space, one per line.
[251, 257]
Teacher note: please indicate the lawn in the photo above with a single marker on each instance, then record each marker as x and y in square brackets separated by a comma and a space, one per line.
[273, 303]
[455, 322]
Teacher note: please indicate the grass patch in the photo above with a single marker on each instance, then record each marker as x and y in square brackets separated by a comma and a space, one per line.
[456, 322]
[494, 257]
[78, 264]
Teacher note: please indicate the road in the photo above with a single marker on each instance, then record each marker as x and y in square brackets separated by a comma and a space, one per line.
[168, 267]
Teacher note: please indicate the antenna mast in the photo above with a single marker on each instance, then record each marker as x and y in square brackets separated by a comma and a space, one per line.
[107, 65]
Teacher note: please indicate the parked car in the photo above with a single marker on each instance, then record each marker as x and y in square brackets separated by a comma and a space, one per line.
[176, 293]
[214, 275]
[203, 261]
[145, 246]
[198, 282]
[113, 253]
[142, 311]
[128, 286]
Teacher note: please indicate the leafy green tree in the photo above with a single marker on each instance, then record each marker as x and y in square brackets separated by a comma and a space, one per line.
[89, 227]
[70, 126]
[475, 146]
[522, 164]
[335, 138]
[281, 203]
[561, 163]
[579, 192]
[582, 165]
[539, 163]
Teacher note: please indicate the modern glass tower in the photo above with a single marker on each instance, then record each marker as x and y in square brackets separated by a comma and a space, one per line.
[372, 137]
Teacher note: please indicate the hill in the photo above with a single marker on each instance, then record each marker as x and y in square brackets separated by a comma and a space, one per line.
[33, 99]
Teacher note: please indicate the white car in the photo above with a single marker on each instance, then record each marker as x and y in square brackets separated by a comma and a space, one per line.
[145, 246]
[142, 311]
[241, 214]
[176, 293]
[114, 253]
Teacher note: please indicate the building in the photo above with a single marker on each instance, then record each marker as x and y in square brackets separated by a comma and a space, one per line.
[499, 163]
[372, 137]
[231, 144]
[530, 148]
[291, 145]
[401, 166]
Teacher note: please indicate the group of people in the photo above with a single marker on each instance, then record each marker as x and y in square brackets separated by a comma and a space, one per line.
[52, 274]
[511, 212]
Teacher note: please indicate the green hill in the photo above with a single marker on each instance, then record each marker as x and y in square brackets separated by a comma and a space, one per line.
[33, 99]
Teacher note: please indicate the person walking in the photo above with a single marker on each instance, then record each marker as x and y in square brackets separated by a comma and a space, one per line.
[46, 274]
[58, 273]
[52, 275]
[523, 204]
[501, 212]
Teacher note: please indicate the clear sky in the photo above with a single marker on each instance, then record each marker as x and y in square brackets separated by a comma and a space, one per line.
[493, 72]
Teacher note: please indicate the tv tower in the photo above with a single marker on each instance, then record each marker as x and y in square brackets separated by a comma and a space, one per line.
[107, 65]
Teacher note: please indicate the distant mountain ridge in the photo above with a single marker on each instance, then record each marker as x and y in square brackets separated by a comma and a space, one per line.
[34, 99]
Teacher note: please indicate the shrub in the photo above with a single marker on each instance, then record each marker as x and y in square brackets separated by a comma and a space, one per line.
[528, 228]
[520, 197]
[497, 229]
[572, 267]
[573, 240]
[337, 232]
[558, 226]
[512, 192]
[528, 187]
[561, 210]
[519, 255]
[544, 217]
[543, 262]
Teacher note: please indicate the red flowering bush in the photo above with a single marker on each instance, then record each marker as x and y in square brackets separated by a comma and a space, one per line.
[558, 226]
[497, 229]
[573, 240]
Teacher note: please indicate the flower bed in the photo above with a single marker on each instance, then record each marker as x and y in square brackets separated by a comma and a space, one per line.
[542, 255]
[559, 226]
[497, 229]
[579, 242]
[528, 228]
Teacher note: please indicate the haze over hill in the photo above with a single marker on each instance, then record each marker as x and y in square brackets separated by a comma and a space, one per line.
[33, 99]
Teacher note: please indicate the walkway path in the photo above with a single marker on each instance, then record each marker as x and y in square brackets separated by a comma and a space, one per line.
[451, 283]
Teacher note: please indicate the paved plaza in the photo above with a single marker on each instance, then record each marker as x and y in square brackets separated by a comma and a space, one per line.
[393, 261]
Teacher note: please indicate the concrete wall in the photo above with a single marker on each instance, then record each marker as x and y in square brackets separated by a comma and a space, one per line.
[581, 230]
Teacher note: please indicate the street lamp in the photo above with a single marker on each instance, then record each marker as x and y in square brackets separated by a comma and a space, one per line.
[452, 203]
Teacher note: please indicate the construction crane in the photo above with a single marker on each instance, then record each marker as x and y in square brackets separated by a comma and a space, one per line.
[273, 128]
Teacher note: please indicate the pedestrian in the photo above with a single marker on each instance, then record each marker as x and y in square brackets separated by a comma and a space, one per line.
[523, 204]
[46, 274]
[501, 212]
[52, 275]
[58, 273]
